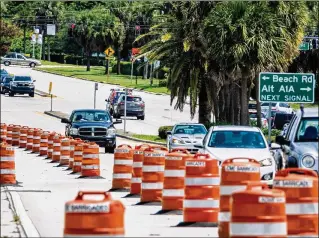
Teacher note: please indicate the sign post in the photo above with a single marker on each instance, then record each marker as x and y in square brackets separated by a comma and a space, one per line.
[287, 88]
[96, 87]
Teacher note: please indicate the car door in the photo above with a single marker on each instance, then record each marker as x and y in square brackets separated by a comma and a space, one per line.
[21, 60]
[11, 58]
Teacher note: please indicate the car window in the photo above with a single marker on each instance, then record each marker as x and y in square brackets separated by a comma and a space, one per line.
[308, 130]
[190, 129]
[22, 78]
[90, 116]
[132, 99]
[20, 57]
[267, 104]
[10, 56]
[237, 139]
[291, 125]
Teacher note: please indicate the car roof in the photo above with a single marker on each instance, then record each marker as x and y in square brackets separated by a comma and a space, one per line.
[89, 110]
[188, 124]
[234, 128]
[309, 112]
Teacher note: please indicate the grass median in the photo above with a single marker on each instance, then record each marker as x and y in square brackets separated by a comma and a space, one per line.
[153, 138]
[97, 75]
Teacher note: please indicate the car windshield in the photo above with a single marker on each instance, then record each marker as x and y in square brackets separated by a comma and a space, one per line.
[3, 71]
[237, 139]
[190, 129]
[7, 80]
[254, 115]
[267, 104]
[308, 130]
[22, 78]
[91, 116]
[132, 99]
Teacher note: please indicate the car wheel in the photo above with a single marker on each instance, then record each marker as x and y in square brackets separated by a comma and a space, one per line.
[292, 162]
[6, 63]
[141, 118]
[32, 65]
[31, 95]
[109, 149]
[11, 94]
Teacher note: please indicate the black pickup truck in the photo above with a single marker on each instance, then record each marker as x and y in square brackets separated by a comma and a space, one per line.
[92, 125]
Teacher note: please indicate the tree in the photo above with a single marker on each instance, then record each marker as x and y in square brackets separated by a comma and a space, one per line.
[8, 32]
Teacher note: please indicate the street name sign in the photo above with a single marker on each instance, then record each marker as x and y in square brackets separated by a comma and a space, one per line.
[287, 87]
[304, 46]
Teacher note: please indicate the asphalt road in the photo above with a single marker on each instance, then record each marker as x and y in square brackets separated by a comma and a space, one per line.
[44, 188]
[74, 94]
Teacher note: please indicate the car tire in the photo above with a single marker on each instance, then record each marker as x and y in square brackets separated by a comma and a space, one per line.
[292, 162]
[109, 150]
[11, 94]
[6, 63]
[32, 65]
[141, 118]
[31, 95]
[111, 112]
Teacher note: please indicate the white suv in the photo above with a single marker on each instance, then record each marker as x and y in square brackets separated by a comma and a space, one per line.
[277, 106]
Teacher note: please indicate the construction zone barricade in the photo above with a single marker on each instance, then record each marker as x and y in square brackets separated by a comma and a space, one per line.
[301, 188]
[136, 180]
[30, 138]
[9, 134]
[201, 199]
[36, 140]
[7, 164]
[78, 156]
[50, 145]
[3, 134]
[234, 173]
[153, 174]
[73, 142]
[122, 169]
[56, 153]
[94, 218]
[258, 211]
[23, 137]
[64, 152]
[90, 161]
[44, 143]
[174, 180]
[16, 135]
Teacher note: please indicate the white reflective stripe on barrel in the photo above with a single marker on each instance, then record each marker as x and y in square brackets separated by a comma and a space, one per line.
[71, 159]
[90, 166]
[7, 171]
[6, 158]
[137, 164]
[36, 137]
[174, 173]
[301, 208]
[123, 162]
[173, 192]
[44, 140]
[224, 216]
[90, 156]
[153, 168]
[44, 148]
[77, 163]
[23, 135]
[65, 148]
[194, 203]
[78, 152]
[50, 150]
[152, 186]
[228, 190]
[56, 144]
[22, 141]
[202, 181]
[122, 176]
[258, 229]
[136, 180]
[36, 145]
[56, 152]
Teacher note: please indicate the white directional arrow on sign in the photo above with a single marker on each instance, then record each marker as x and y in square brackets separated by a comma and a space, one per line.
[265, 77]
[306, 89]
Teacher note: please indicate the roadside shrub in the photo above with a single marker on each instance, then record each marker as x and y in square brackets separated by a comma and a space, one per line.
[162, 83]
[274, 132]
[162, 131]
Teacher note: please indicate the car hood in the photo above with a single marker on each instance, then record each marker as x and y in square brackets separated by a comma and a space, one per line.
[91, 124]
[194, 138]
[227, 153]
[307, 147]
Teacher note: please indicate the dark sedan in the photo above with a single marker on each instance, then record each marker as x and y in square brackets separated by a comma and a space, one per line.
[5, 85]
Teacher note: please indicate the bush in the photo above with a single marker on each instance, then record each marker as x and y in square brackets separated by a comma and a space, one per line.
[274, 132]
[162, 131]
[162, 83]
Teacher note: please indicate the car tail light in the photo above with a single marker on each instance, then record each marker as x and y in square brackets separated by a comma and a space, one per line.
[121, 103]
[142, 105]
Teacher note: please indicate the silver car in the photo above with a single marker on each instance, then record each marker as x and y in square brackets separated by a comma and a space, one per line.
[19, 59]
[186, 135]
[299, 141]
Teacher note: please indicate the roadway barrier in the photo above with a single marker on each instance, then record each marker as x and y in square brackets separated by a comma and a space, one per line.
[50, 144]
[3, 132]
[78, 155]
[56, 148]
[153, 174]
[9, 134]
[94, 218]
[301, 188]
[122, 169]
[234, 173]
[16, 135]
[72, 147]
[23, 137]
[258, 211]
[44, 143]
[138, 157]
[201, 201]
[7, 164]
[30, 138]
[90, 160]
[36, 140]
[65, 152]
[174, 179]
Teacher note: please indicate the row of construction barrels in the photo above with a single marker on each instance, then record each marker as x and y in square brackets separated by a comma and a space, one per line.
[231, 197]
[77, 155]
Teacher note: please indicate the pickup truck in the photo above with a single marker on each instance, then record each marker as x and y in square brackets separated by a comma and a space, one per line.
[92, 125]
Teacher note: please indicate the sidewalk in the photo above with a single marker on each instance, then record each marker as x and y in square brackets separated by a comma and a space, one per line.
[9, 227]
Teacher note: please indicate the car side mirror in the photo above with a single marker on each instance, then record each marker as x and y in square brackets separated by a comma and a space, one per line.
[275, 146]
[168, 132]
[118, 121]
[199, 146]
[65, 120]
[34, 80]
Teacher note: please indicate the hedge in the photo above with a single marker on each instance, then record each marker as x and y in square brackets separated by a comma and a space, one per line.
[162, 131]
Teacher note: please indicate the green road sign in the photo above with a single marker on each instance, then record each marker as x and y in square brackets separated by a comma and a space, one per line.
[287, 87]
[304, 46]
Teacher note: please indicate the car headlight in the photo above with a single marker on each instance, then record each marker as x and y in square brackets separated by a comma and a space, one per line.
[177, 141]
[111, 132]
[14, 84]
[266, 162]
[308, 161]
[74, 131]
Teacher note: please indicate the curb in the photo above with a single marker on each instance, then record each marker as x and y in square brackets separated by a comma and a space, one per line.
[53, 114]
[26, 224]
[43, 94]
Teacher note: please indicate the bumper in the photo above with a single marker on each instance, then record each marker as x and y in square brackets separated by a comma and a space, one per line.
[101, 141]
[189, 147]
[132, 113]
[22, 90]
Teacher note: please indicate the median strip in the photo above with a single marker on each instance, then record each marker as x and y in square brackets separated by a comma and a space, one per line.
[43, 94]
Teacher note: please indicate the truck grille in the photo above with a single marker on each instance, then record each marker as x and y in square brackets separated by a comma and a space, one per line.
[92, 131]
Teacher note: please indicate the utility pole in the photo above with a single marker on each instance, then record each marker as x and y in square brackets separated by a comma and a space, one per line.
[24, 37]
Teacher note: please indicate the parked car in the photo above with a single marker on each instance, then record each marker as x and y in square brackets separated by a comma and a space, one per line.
[300, 142]
[21, 85]
[264, 120]
[280, 119]
[277, 107]
[92, 125]
[3, 74]
[272, 116]
[135, 106]
[186, 135]
[225, 142]
[5, 85]
[113, 98]
[19, 59]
